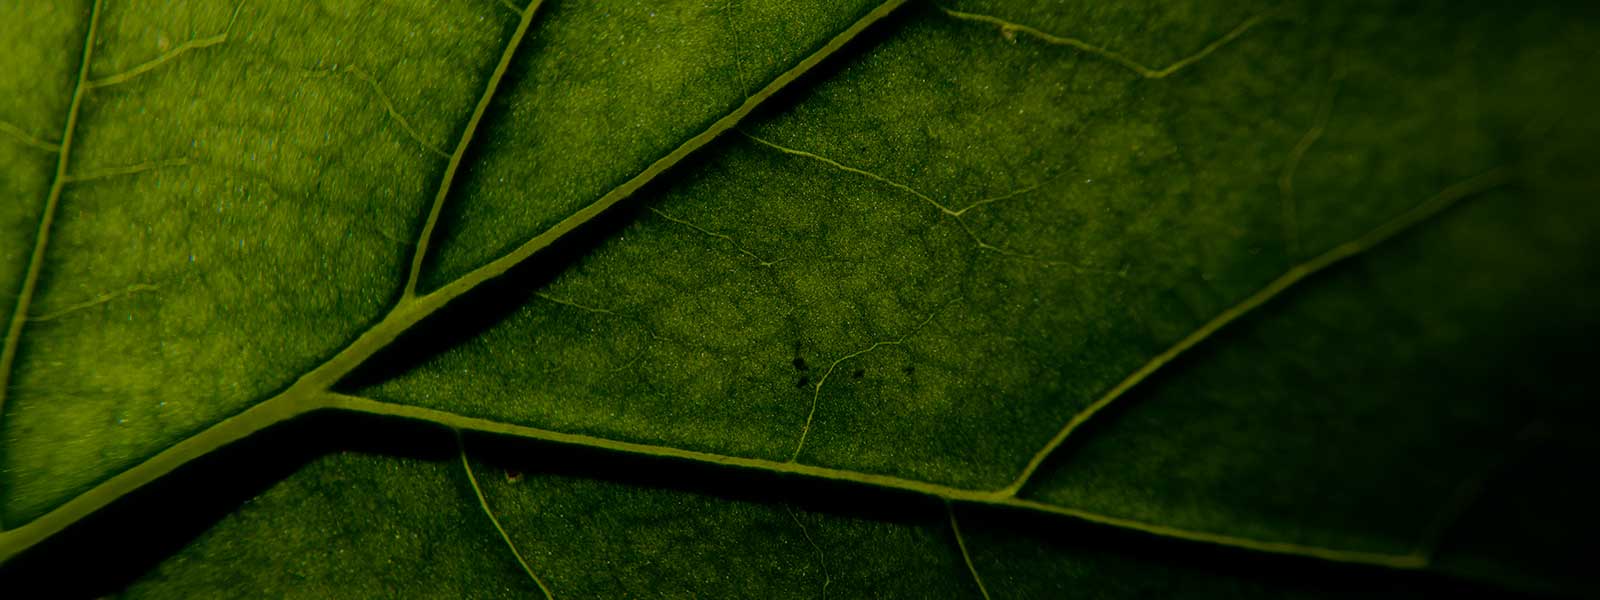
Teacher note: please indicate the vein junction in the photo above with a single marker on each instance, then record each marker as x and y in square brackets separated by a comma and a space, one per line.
[816, 391]
[1384, 232]
[944, 210]
[30, 281]
[63, 151]
[994, 498]
[310, 393]
[168, 56]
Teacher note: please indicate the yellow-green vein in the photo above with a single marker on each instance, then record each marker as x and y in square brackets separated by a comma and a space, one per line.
[47, 214]
[966, 555]
[1009, 29]
[168, 56]
[822, 559]
[471, 128]
[483, 503]
[308, 391]
[816, 392]
[996, 498]
[1291, 208]
[1417, 214]
[28, 139]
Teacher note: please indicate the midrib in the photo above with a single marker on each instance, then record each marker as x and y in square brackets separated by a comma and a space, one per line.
[309, 392]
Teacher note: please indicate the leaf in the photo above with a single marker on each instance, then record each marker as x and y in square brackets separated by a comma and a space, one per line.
[768, 299]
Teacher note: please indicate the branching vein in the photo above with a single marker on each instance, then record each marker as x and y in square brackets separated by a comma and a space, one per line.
[394, 113]
[484, 504]
[41, 240]
[168, 56]
[1469, 490]
[1006, 196]
[944, 492]
[28, 139]
[410, 290]
[944, 210]
[308, 392]
[862, 172]
[1418, 214]
[1010, 29]
[721, 236]
[816, 391]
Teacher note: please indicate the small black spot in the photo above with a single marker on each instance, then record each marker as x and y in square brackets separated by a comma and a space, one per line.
[804, 381]
[858, 374]
[910, 370]
[800, 364]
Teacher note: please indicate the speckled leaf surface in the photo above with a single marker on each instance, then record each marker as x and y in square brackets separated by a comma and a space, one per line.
[851, 299]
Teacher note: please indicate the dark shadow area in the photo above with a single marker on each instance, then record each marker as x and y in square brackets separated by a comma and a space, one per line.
[1069, 537]
[492, 301]
[102, 554]
[114, 547]
[496, 299]
[1522, 515]
[1532, 371]
[1142, 554]
[1533, 525]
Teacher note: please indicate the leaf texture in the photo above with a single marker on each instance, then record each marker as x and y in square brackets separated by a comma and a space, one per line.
[736, 299]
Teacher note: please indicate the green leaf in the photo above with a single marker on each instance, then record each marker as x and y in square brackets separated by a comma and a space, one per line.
[983, 299]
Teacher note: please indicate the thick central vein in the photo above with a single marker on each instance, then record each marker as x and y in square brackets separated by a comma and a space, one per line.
[307, 392]
[410, 309]
[41, 240]
[494, 268]
[944, 492]
[303, 398]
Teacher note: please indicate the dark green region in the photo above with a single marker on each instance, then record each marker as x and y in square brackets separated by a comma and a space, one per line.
[1364, 233]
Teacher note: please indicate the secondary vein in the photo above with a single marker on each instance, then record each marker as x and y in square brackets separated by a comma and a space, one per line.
[1009, 28]
[499, 266]
[1382, 233]
[966, 556]
[307, 391]
[30, 281]
[484, 504]
[525, 19]
[995, 498]
[28, 139]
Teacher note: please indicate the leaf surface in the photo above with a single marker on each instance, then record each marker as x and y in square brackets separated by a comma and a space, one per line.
[1308, 283]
